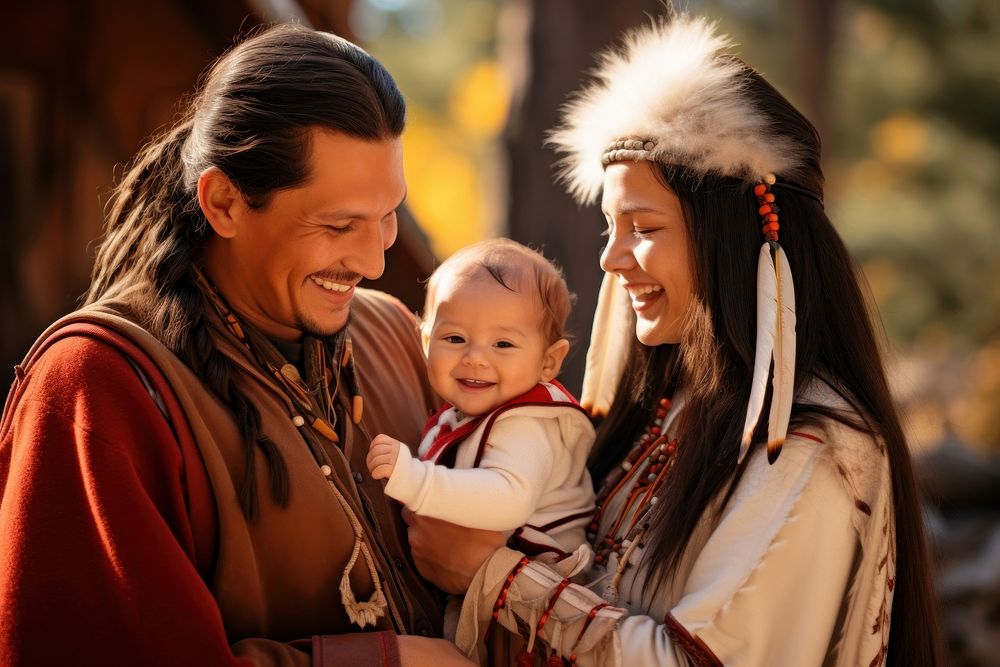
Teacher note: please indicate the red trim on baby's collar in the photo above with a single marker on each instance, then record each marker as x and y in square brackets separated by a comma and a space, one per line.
[693, 647]
[433, 419]
[558, 385]
[500, 411]
[539, 395]
[445, 441]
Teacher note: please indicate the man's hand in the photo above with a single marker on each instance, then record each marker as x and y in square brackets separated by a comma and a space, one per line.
[448, 555]
[382, 456]
[426, 652]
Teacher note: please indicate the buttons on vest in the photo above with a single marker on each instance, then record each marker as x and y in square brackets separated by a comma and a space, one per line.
[326, 470]
[298, 421]
[358, 477]
[398, 562]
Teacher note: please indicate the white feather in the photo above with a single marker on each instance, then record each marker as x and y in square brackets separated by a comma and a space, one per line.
[668, 83]
[767, 316]
[610, 338]
[784, 357]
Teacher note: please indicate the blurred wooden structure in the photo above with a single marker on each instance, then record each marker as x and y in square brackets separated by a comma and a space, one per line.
[549, 46]
[82, 85]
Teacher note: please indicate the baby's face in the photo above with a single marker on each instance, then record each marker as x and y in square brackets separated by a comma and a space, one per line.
[485, 345]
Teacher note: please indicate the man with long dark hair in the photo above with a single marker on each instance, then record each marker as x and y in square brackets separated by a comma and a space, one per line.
[182, 461]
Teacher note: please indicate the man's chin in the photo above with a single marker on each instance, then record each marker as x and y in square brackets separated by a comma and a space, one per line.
[312, 327]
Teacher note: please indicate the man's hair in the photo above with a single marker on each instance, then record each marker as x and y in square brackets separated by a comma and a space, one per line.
[252, 119]
[517, 268]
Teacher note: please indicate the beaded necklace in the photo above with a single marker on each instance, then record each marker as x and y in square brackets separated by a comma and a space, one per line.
[314, 414]
[313, 402]
[645, 468]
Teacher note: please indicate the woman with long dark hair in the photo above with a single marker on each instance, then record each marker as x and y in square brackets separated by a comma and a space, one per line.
[757, 504]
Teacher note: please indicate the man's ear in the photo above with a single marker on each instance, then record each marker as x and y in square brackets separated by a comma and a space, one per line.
[220, 201]
[553, 359]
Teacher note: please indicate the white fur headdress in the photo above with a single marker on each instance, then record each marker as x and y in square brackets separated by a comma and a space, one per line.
[672, 94]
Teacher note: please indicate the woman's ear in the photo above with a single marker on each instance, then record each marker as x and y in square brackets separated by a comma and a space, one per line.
[553, 359]
[220, 201]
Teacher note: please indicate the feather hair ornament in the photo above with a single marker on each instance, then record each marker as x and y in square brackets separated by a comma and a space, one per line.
[775, 343]
[609, 340]
[784, 356]
[775, 332]
[670, 93]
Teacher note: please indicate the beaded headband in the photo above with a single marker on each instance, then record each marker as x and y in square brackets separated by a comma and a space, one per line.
[671, 94]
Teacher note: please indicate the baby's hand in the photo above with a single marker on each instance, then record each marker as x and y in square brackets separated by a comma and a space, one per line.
[382, 456]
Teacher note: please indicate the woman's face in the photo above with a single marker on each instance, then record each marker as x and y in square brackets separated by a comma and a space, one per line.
[648, 249]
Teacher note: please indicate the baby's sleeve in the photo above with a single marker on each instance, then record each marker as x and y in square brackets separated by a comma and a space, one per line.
[501, 494]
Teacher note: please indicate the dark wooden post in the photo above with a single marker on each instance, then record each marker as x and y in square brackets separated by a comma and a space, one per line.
[550, 44]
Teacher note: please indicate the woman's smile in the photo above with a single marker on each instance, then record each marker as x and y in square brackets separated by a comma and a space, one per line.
[643, 296]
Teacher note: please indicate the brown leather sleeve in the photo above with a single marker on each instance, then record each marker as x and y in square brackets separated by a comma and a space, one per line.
[398, 399]
[378, 649]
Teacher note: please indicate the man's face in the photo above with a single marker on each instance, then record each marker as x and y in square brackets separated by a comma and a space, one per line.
[291, 267]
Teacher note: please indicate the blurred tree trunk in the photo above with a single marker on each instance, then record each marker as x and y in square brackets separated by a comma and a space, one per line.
[814, 25]
[547, 46]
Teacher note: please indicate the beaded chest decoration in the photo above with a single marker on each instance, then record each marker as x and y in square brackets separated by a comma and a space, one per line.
[644, 471]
